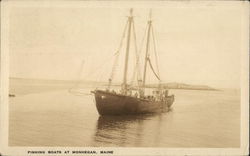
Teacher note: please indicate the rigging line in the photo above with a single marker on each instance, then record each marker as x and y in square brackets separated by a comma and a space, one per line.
[76, 92]
[98, 68]
[123, 36]
[140, 50]
[138, 53]
[153, 69]
[111, 56]
[117, 54]
[137, 69]
[103, 63]
[156, 55]
[97, 74]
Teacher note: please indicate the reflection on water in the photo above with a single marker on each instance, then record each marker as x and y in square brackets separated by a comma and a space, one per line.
[113, 130]
[130, 130]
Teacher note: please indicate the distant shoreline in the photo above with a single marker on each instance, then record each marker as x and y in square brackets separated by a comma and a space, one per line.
[173, 85]
[184, 86]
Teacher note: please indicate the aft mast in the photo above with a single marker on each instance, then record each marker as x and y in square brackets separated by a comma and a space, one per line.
[125, 85]
[147, 50]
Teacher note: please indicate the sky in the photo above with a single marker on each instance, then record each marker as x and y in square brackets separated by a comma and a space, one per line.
[196, 43]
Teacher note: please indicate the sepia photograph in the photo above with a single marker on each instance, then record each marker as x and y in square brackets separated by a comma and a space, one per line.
[124, 78]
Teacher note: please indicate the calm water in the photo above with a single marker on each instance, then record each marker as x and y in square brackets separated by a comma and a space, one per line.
[56, 117]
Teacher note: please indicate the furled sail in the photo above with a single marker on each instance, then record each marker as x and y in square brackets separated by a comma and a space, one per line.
[150, 64]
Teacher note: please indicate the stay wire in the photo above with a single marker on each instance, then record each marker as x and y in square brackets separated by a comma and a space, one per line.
[137, 69]
[155, 52]
[139, 53]
[117, 54]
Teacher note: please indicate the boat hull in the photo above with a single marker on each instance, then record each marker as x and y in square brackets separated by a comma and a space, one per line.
[108, 103]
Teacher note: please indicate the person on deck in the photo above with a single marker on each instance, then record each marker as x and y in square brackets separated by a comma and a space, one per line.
[136, 95]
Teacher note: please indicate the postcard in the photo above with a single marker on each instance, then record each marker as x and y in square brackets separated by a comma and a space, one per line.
[124, 78]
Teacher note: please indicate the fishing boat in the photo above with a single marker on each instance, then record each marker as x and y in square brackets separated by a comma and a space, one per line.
[134, 99]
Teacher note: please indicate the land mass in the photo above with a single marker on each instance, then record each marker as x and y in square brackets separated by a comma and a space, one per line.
[175, 85]
[70, 83]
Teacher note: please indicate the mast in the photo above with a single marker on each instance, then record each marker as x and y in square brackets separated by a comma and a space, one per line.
[147, 49]
[124, 86]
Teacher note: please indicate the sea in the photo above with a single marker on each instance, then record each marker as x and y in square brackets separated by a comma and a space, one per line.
[65, 115]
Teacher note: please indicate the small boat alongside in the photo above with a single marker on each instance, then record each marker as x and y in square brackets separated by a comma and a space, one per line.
[12, 95]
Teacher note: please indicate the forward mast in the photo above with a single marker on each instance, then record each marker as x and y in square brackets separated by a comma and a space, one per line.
[125, 85]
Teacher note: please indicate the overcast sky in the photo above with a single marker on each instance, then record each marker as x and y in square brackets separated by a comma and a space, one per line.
[196, 43]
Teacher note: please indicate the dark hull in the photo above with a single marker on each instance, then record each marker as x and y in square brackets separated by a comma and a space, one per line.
[116, 104]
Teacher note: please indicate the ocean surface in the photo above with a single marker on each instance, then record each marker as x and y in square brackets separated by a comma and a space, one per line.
[49, 114]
